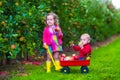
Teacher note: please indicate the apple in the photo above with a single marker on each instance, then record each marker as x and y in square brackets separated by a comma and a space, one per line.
[73, 57]
[57, 29]
[76, 57]
[80, 43]
[88, 58]
[13, 46]
[22, 38]
[0, 3]
[67, 58]
[62, 57]
[16, 3]
[2, 22]
[73, 54]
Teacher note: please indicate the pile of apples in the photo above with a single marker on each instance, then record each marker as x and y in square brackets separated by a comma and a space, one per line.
[66, 58]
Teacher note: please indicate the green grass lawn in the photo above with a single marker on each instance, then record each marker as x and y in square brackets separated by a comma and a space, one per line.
[104, 66]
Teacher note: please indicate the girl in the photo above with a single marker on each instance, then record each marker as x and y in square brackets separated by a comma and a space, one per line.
[52, 37]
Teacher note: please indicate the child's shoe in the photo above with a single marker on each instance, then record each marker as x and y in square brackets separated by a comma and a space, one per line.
[48, 66]
[57, 66]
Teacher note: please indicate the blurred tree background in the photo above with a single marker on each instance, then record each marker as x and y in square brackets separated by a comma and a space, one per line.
[22, 23]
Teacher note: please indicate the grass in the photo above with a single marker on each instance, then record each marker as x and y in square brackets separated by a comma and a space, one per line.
[104, 66]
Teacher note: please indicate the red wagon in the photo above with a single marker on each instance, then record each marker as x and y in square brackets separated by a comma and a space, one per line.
[82, 63]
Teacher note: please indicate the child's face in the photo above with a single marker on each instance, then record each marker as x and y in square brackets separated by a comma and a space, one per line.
[50, 20]
[84, 40]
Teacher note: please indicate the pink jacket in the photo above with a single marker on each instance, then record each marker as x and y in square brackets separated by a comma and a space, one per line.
[47, 36]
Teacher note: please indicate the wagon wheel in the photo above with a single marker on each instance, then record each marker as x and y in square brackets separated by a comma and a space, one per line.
[65, 70]
[84, 69]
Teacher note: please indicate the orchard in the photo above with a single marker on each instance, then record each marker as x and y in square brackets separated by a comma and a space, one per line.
[22, 23]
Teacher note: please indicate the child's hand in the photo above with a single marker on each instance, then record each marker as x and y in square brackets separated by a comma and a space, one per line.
[45, 46]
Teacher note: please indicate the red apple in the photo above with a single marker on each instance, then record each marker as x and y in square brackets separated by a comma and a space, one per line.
[57, 29]
[62, 57]
[13, 46]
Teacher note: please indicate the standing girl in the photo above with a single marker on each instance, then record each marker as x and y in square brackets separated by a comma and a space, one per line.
[52, 37]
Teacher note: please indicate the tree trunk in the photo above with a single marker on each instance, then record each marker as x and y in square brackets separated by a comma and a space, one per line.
[25, 54]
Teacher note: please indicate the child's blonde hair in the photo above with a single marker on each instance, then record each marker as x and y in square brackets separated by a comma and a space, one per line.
[87, 36]
[55, 18]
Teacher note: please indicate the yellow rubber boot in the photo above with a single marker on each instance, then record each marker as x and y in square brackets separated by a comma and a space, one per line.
[48, 66]
[57, 65]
